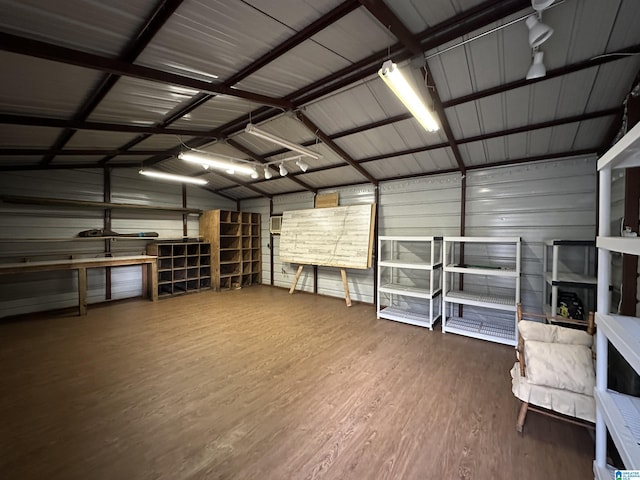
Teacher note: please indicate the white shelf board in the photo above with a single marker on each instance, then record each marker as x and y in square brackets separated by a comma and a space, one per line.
[625, 153]
[483, 239]
[497, 302]
[497, 272]
[493, 330]
[606, 473]
[400, 238]
[614, 417]
[624, 333]
[630, 245]
[405, 316]
[568, 278]
[408, 291]
[408, 265]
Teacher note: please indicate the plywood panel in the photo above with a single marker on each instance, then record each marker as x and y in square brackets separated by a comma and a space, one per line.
[333, 237]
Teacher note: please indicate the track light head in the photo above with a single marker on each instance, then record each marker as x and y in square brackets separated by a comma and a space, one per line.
[267, 173]
[283, 170]
[538, 32]
[539, 5]
[302, 164]
[537, 68]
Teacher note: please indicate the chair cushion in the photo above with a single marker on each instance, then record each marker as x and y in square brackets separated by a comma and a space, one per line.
[543, 332]
[557, 365]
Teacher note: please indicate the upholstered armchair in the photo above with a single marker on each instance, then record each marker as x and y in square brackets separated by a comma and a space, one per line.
[554, 374]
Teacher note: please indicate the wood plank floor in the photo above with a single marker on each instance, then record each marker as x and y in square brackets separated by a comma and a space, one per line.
[260, 384]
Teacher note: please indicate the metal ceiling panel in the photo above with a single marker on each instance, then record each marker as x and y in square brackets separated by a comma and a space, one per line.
[216, 112]
[414, 164]
[277, 185]
[352, 107]
[355, 36]
[336, 176]
[490, 60]
[613, 82]
[40, 87]
[139, 102]
[96, 139]
[296, 14]
[592, 133]
[160, 142]
[298, 67]
[15, 136]
[212, 40]
[88, 25]
[418, 15]
[240, 192]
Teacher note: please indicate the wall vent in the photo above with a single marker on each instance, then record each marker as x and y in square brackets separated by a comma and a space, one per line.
[275, 225]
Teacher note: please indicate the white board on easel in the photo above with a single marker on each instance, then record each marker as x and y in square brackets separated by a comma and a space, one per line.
[334, 237]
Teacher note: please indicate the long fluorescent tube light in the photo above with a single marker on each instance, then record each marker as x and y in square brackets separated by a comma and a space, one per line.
[221, 162]
[172, 177]
[399, 85]
[253, 130]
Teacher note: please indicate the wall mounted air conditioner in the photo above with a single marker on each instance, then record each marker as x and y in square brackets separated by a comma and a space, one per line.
[275, 225]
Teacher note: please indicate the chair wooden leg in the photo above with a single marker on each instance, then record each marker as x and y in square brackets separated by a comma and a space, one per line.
[522, 415]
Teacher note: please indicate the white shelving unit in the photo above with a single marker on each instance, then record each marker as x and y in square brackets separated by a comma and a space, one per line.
[558, 274]
[616, 413]
[490, 324]
[409, 277]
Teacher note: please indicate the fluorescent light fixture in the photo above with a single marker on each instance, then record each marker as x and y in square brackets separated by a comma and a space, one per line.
[538, 32]
[172, 177]
[267, 173]
[399, 85]
[283, 170]
[221, 162]
[253, 130]
[537, 68]
[302, 164]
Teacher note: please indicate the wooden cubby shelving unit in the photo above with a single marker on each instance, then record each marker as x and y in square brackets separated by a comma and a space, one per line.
[496, 300]
[182, 267]
[409, 279]
[617, 413]
[235, 247]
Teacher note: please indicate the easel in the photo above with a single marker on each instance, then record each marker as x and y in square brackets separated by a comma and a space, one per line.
[343, 272]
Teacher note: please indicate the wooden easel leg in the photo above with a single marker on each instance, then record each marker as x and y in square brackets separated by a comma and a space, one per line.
[347, 297]
[295, 280]
[522, 416]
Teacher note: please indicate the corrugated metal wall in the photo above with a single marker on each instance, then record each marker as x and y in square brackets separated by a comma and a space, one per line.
[554, 199]
[42, 224]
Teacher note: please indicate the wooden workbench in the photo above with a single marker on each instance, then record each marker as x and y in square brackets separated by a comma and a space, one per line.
[149, 274]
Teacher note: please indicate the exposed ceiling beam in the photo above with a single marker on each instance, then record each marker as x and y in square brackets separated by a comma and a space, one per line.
[47, 51]
[163, 11]
[333, 146]
[65, 166]
[557, 72]
[10, 119]
[386, 17]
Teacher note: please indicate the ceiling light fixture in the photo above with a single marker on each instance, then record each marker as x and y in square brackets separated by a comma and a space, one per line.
[538, 32]
[283, 170]
[172, 177]
[222, 162]
[302, 164]
[399, 85]
[267, 173]
[253, 130]
[537, 68]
